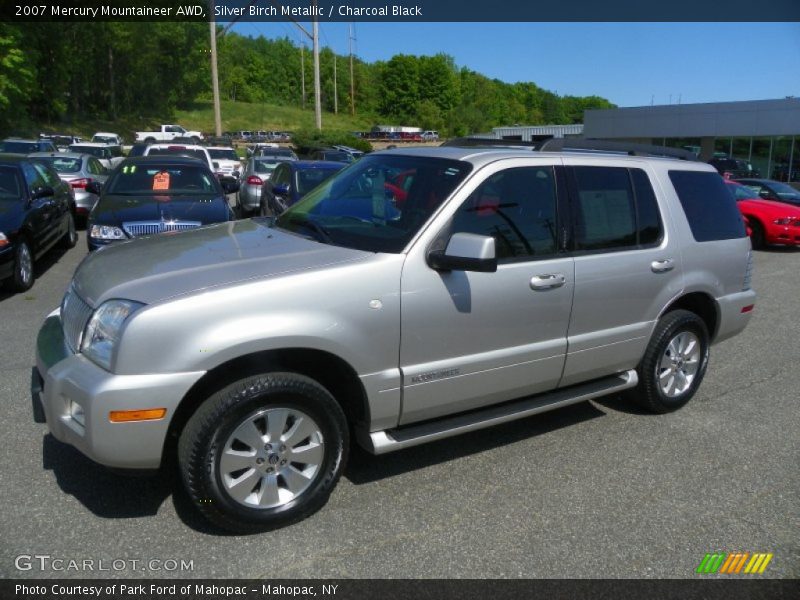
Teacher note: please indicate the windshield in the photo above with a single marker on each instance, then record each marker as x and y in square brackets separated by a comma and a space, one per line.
[264, 166]
[224, 154]
[61, 164]
[277, 152]
[9, 184]
[361, 208]
[783, 190]
[93, 150]
[156, 180]
[104, 139]
[178, 151]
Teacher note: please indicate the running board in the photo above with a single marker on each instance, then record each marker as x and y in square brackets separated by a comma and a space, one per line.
[381, 442]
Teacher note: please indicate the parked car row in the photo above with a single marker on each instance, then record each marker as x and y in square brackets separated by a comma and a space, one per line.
[37, 212]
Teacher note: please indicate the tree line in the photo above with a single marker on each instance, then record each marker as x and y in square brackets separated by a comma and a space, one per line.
[57, 72]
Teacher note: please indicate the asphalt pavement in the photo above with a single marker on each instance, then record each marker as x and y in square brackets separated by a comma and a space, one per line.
[598, 489]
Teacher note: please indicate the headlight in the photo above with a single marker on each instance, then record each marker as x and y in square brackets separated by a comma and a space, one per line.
[784, 221]
[102, 332]
[107, 232]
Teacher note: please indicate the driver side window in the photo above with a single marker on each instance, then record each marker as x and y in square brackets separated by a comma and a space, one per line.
[517, 207]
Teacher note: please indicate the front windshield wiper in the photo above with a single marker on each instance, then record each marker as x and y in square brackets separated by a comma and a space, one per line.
[322, 233]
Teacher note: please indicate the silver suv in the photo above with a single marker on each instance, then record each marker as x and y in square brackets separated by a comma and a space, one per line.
[418, 294]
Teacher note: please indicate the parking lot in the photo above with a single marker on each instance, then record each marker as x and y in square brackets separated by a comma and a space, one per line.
[599, 489]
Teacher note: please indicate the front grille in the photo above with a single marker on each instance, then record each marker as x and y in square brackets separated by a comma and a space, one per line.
[75, 314]
[137, 228]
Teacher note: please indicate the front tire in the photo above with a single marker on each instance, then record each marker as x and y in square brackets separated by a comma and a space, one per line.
[22, 277]
[264, 452]
[674, 363]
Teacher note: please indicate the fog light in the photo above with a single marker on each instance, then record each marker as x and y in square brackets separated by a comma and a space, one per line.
[76, 413]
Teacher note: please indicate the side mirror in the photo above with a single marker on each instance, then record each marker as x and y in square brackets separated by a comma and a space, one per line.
[281, 189]
[215, 164]
[230, 186]
[43, 192]
[94, 187]
[466, 252]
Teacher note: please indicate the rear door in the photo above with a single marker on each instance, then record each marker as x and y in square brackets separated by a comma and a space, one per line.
[626, 267]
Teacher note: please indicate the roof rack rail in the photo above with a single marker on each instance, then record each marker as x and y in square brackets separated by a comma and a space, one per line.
[604, 146]
[475, 142]
[574, 145]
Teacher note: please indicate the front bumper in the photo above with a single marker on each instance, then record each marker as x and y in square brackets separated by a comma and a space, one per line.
[67, 379]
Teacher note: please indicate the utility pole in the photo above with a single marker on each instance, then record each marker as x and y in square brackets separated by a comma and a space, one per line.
[352, 83]
[317, 102]
[335, 89]
[303, 70]
[214, 74]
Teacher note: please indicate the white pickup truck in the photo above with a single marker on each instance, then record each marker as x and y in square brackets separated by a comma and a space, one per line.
[167, 134]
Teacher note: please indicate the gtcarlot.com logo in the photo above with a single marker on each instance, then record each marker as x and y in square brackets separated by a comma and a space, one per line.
[734, 563]
[45, 562]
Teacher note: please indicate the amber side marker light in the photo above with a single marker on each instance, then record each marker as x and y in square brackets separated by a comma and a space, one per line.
[126, 416]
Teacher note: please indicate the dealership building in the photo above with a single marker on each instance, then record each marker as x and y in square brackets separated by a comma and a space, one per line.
[765, 132]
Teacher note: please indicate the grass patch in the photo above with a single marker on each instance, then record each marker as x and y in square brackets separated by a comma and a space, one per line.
[236, 116]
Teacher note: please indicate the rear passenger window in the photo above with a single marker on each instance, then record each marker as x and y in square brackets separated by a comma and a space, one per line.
[709, 206]
[616, 209]
[517, 207]
[648, 217]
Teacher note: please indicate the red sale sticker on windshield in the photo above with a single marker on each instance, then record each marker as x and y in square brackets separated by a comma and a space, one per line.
[161, 181]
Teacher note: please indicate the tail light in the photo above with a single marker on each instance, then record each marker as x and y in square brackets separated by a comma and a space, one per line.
[79, 184]
[253, 180]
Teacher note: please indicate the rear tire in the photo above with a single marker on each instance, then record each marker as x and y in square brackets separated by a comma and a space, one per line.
[674, 363]
[71, 237]
[757, 236]
[264, 452]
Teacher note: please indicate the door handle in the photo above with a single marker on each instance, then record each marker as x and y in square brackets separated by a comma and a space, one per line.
[547, 281]
[662, 266]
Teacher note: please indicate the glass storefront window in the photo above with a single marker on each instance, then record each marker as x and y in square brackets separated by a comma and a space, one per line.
[722, 147]
[781, 157]
[741, 148]
[760, 156]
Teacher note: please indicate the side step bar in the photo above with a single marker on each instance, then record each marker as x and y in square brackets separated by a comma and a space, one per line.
[381, 442]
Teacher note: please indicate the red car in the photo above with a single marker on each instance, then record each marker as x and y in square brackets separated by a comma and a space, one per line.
[768, 222]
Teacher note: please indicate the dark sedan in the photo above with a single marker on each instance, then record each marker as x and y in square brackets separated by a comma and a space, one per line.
[36, 213]
[291, 181]
[156, 194]
[768, 189]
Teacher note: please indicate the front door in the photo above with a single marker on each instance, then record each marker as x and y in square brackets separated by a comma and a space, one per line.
[472, 339]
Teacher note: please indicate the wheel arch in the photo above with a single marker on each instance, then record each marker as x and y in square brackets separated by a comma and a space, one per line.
[331, 371]
[701, 304]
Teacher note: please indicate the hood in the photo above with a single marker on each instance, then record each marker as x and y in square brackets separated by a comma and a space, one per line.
[173, 264]
[114, 210]
[11, 214]
[771, 207]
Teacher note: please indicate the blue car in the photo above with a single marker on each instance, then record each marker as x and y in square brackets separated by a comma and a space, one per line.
[291, 181]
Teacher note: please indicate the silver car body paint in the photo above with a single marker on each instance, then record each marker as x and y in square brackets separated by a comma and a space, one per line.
[468, 340]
